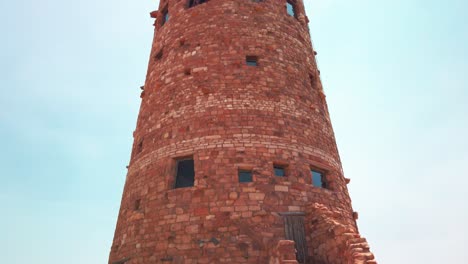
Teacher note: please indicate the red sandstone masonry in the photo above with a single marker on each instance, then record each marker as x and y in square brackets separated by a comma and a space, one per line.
[284, 253]
[334, 238]
[200, 99]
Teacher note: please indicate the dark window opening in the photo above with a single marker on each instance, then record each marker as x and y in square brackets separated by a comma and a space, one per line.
[159, 55]
[185, 173]
[137, 205]
[291, 8]
[139, 147]
[312, 80]
[251, 60]
[123, 261]
[245, 176]
[192, 3]
[280, 171]
[318, 179]
[165, 16]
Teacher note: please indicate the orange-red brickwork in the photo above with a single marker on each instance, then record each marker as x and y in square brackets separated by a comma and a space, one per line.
[233, 85]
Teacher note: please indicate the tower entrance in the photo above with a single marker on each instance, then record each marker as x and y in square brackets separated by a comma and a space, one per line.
[294, 230]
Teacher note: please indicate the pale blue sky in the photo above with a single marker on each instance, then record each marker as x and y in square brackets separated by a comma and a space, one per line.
[395, 75]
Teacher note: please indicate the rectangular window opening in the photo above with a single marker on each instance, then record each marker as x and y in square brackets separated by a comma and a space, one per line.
[318, 178]
[185, 176]
[291, 8]
[251, 60]
[280, 170]
[245, 176]
[192, 3]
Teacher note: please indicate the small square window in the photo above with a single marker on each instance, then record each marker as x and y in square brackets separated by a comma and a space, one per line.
[159, 55]
[251, 60]
[245, 176]
[280, 171]
[291, 8]
[318, 179]
[185, 173]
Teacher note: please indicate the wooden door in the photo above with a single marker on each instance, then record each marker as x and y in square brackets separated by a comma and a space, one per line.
[294, 230]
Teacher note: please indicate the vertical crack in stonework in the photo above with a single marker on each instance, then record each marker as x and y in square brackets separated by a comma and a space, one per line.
[234, 152]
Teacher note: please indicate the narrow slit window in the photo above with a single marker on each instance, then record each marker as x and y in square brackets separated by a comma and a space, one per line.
[192, 3]
[185, 173]
[123, 261]
[139, 147]
[312, 80]
[251, 61]
[137, 205]
[291, 8]
[165, 16]
[318, 179]
[280, 171]
[245, 176]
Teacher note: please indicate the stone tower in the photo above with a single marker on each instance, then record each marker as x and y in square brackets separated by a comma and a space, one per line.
[234, 158]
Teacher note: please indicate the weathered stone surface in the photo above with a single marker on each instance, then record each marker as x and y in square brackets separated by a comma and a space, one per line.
[200, 99]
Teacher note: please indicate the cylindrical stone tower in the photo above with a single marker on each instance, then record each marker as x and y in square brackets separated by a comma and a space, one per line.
[234, 158]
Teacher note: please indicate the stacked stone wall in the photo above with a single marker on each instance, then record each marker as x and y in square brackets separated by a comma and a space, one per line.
[284, 253]
[334, 238]
[201, 100]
